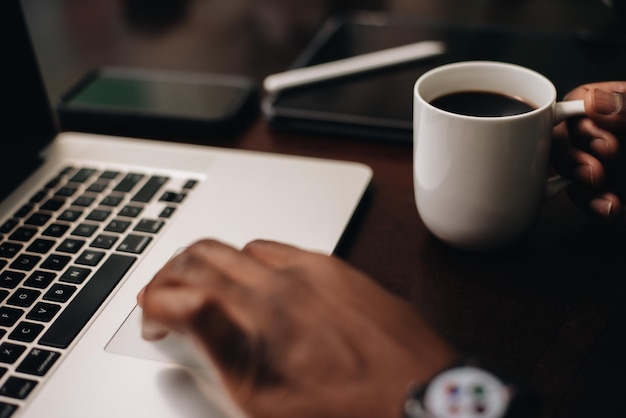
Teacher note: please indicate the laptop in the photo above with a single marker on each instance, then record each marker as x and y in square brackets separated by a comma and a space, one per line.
[87, 220]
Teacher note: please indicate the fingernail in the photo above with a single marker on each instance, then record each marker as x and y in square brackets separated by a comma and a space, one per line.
[606, 102]
[152, 331]
[601, 207]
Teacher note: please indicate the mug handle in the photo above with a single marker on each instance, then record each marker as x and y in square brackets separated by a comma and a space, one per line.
[563, 110]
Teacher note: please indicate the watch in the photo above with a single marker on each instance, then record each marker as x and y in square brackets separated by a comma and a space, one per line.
[462, 391]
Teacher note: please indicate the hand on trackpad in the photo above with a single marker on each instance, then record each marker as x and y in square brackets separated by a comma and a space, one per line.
[172, 349]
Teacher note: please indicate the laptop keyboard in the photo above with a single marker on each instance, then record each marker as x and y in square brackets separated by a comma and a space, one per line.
[62, 254]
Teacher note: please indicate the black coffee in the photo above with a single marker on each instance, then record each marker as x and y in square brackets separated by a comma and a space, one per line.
[482, 103]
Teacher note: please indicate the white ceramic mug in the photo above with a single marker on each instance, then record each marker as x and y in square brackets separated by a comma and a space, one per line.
[480, 181]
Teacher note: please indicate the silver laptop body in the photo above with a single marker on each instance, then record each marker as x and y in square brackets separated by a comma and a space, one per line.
[87, 220]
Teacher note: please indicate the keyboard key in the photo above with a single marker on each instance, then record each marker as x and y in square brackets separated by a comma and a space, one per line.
[37, 219]
[104, 241]
[80, 310]
[84, 201]
[36, 198]
[54, 182]
[59, 293]
[8, 225]
[10, 279]
[109, 174]
[43, 312]
[99, 215]
[75, 275]
[129, 211]
[25, 262]
[85, 230]
[167, 212]
[134, 244]
[70, 215]
[40, 246]
[26, 332]
[9, 249]
[117, 225]
[24, 210]
[173, 197]
[9, 352]
[152, 186]
[55, 230]
[53, 204]
[82, 175]
[112, 200]
[23, 297]
[17, 387]
[9, 316]
[70, 245]
[90, 258]
[3, 296]
[128, 182]
[7, 409]
[98, 187]
[149, 225]
[66, 191]
[23, 234]
[40, 279]
[55, 262]
[190, 184]
[37, 362]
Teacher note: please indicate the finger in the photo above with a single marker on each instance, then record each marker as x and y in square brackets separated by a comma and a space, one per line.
[201, 264]
[222, 329]
[236, 265]
[189, 310]
[153, 331]
[150, 329]
[587, 135]
[603, 205]
[274, 254]
[140, 297]
[160, 315]
[607, 107]
[578, 165]
[193, 279]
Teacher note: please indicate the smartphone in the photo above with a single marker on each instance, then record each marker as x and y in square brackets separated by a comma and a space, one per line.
[378, 104]
[157, 103]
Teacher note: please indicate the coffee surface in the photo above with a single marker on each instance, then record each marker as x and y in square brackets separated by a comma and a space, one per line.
[481, 103]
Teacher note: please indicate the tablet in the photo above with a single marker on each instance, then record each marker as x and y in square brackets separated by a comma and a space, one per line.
[378, 104]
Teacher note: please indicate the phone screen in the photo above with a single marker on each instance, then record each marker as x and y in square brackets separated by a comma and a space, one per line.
[161, 95]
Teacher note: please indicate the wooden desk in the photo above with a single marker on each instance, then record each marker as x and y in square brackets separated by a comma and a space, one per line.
[549, 312]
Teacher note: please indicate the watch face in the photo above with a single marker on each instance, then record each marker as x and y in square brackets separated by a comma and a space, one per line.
[466, 392]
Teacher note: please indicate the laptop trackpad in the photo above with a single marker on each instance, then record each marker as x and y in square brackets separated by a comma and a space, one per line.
[172, 349]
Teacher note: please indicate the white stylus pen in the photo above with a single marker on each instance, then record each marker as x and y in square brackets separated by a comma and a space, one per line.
[353, 65]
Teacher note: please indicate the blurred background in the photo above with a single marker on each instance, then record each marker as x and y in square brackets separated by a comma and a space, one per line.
[253, 37]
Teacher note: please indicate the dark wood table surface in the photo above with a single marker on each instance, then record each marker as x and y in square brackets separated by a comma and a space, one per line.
[549, 312]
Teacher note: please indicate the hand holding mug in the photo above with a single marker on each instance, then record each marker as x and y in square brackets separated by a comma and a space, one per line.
[482, 138]
[589, 151]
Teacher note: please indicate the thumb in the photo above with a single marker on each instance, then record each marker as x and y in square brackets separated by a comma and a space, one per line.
[607, 108]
